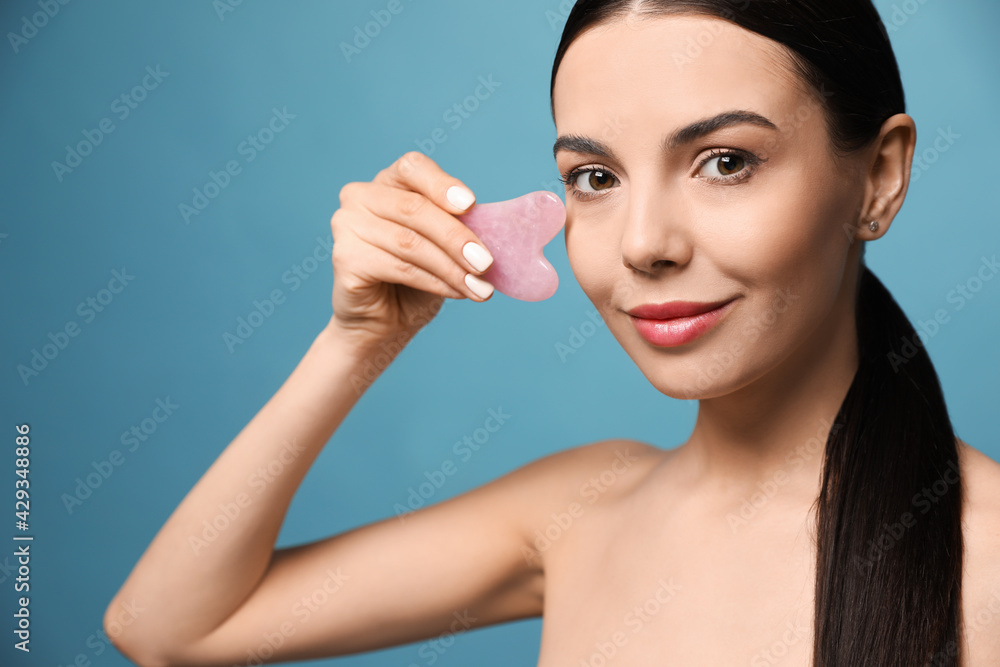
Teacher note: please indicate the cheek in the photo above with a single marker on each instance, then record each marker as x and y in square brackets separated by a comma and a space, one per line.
[790, 256]
[789, 233]
[595, 259]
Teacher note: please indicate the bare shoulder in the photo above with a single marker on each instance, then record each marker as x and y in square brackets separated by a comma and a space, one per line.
[614, 465]
[598, 472]
[553, 491]
[981, 476]
[981, 533]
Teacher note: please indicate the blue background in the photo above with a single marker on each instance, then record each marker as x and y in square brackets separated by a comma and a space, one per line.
[162, 336]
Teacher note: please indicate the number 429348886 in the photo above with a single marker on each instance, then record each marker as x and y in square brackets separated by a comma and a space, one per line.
[22, 464]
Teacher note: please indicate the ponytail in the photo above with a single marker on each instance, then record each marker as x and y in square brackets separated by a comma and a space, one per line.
[889, 537]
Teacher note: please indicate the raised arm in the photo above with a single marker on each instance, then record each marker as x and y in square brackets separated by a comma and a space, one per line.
[210, 585]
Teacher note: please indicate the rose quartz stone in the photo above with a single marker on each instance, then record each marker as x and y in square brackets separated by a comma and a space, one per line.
[515, 231]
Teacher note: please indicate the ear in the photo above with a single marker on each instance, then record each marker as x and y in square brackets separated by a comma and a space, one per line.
[888, 176]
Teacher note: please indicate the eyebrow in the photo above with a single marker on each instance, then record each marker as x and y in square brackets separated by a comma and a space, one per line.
[580, 144]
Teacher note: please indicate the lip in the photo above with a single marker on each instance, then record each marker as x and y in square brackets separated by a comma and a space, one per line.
[677, 322]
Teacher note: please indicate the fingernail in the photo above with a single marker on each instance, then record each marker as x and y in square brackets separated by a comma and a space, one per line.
[477, 255]
[482, 288]
[460, 197]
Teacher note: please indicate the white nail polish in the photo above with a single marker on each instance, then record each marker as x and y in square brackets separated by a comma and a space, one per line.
[460, 197]
[482, 288]
[477, 255]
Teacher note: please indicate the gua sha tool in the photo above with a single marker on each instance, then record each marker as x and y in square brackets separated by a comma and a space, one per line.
[515, 231]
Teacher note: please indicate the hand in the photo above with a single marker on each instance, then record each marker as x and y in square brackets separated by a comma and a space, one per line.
[399, 250]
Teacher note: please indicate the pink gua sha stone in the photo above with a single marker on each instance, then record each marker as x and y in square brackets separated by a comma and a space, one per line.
[515, 231]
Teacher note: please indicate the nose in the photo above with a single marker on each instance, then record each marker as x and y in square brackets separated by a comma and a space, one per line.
[656, 236]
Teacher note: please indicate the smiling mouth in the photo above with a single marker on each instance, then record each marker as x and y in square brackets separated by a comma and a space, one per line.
[677, 322]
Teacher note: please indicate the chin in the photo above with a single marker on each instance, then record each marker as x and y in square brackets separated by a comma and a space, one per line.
[692, 379]
[714, 365]
[748, 341]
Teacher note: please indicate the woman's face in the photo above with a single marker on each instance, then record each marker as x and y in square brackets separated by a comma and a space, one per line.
[708, 176]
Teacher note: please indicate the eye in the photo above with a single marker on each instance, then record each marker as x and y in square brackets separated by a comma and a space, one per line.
[597, 179]
[728, 166]
[588, 182]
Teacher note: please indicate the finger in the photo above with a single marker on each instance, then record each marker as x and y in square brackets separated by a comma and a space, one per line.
[415, 211]
[383, 266]
[419, 173]
[411, 246]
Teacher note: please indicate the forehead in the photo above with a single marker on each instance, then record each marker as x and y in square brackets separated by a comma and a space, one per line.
[670, 69]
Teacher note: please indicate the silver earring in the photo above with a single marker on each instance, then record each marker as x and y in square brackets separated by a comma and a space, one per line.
[873, 225]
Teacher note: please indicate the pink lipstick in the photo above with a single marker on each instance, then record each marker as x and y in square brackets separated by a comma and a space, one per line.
[677, 322]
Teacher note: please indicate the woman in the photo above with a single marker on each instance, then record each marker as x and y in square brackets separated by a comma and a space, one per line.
[719, 228]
